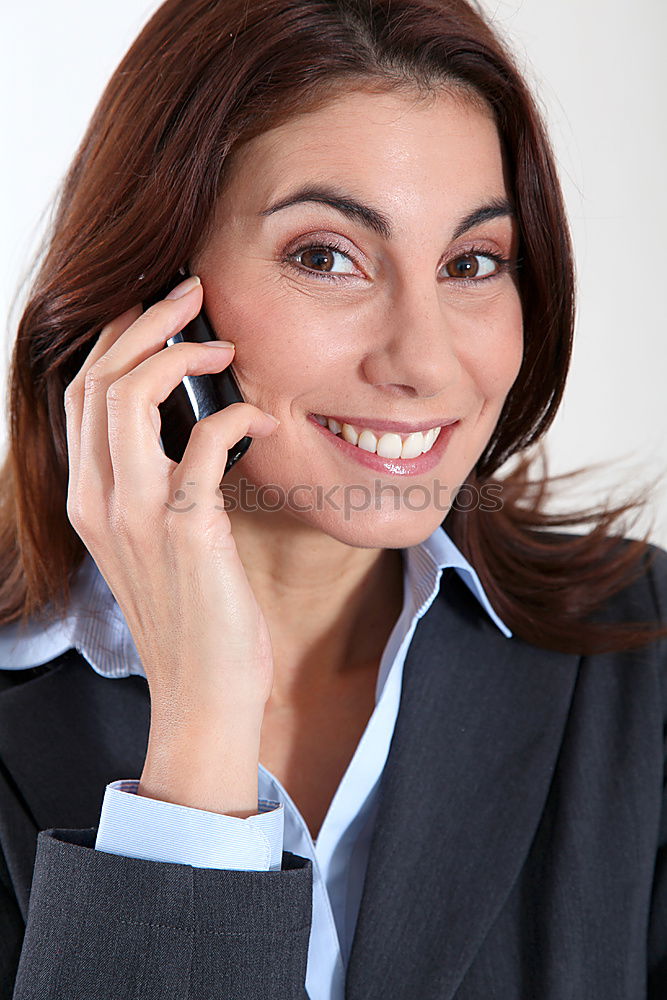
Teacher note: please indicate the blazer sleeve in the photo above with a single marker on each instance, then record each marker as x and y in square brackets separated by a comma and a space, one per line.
[657, 928]
[657, 932]
[105, 925]
[11, 932]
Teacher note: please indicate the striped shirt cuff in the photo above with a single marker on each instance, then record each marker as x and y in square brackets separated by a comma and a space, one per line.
[139, 827]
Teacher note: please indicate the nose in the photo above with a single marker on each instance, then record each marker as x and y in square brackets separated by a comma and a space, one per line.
[415, 353]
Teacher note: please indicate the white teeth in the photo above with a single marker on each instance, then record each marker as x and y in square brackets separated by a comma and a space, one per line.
[389, 445]
[367, 440]
[413, 446]
[348, 432]
[429, 438]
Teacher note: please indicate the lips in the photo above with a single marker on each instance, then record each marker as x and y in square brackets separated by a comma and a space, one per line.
[390, 426]
[393, 466]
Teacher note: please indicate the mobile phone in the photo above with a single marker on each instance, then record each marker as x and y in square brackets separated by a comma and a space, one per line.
[197, 396]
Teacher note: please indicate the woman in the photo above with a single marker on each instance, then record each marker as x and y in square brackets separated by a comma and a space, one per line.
[366, 728]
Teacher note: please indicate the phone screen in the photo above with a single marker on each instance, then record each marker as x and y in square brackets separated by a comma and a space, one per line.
[197, 396]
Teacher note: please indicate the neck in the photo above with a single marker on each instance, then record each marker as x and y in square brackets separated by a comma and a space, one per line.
[330, 607]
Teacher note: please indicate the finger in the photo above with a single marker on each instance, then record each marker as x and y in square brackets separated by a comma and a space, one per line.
[139, 341]
[196, 478]
[140, 467]
[150, 330]
[74, 394]
[108, 335]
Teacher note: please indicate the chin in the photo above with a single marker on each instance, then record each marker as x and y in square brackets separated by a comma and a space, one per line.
[379, 529]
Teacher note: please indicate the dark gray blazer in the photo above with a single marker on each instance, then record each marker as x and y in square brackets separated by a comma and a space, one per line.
[520, 848]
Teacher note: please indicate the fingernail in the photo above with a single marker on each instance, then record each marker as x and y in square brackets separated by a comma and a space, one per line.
[270, 415]
[184, 287]
[219, 343]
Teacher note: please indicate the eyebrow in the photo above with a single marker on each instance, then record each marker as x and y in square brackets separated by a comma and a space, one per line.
[376, 220]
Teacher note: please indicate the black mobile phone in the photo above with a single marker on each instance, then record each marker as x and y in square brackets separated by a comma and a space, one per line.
[197, 396]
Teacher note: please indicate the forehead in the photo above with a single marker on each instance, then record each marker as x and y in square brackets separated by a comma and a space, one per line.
[391, 142]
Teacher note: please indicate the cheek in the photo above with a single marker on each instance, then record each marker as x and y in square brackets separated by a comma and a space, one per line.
[494, 350]
[275, 346]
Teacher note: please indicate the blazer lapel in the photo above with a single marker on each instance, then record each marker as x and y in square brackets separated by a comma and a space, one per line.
[475, 745]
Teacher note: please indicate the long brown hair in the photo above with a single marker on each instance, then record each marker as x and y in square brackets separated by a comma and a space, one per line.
[202, 78]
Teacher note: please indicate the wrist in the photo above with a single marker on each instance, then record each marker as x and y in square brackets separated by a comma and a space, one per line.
[214, 767]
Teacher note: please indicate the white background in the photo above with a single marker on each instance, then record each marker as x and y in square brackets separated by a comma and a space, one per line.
[599, 72]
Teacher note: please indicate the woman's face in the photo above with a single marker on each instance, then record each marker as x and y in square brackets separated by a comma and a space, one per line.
[389, 325]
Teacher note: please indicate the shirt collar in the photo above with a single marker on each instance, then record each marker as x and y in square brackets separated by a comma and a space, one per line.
[426, 562]
[96, 626]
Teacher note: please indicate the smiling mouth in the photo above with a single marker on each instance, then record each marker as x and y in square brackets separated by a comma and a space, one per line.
[385, 444]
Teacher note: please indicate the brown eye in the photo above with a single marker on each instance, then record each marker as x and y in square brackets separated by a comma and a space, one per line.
[319, 258]
[472, 265]
[322, 259]
[463, 267]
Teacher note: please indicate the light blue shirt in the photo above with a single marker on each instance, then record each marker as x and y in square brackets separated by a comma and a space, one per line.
[136, 826]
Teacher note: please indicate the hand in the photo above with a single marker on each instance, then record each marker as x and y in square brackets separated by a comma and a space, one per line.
[176, 575]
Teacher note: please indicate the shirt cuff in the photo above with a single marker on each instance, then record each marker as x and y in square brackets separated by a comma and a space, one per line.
[140, 827]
